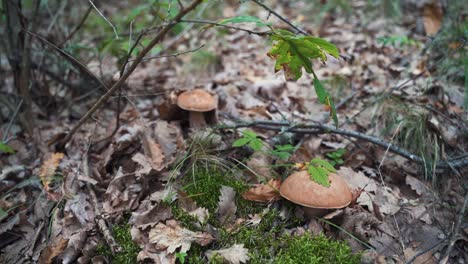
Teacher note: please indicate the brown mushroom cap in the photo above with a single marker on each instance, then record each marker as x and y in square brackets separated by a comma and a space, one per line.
[300, 189]
[197, 100]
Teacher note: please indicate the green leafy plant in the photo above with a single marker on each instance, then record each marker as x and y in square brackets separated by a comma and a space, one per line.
[319, 170]
[398, 41]
[181, 257]
[5, 148]
[283, 152]
[336, 157]
[251, 139]
[294, 52]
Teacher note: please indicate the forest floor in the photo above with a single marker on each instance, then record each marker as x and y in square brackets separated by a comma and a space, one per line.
[159, 190]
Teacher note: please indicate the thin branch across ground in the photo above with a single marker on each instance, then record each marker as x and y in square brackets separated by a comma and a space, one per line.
[316, 128]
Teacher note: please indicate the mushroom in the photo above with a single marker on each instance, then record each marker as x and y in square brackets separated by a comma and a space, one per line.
[300, 189]
[197, 102]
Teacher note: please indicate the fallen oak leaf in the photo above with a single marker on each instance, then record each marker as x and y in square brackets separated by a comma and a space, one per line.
[171, 236]
[233, 255]
[226, 206]
[264, 192]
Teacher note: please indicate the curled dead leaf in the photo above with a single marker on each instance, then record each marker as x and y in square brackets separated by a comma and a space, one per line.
[433, 16]
[264, 192]
[48, 169]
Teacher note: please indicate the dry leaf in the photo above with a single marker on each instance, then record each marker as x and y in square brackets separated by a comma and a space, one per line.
[149, 215]
[233, 255]
[264, 192]
[433, 16]
[171, 236]
[226, 206]
[416, 185]
[426, 258]
[260, 163]
[145, 164]
[153, 151]
[52, 251]
[48, 168]
[387, 201]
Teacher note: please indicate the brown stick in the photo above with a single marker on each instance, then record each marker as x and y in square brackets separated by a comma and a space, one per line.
[317, 128]
[61, 145]
[80, 24]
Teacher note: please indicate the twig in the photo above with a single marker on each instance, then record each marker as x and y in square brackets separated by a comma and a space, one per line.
[439, 243]
[456, 231]
[80, 24]
[5, 138]
[397, 130]
[171, 55]
[108, 22]
[259, 33]
[82, 68]
[100, 221]
[280, 17]
[311, 128]
[105, 97]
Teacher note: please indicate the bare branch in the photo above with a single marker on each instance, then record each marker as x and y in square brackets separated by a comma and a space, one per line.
[171, 55]
[312, 128]
[296, 28]
[80, 24]
[103, 17]
[259, 33]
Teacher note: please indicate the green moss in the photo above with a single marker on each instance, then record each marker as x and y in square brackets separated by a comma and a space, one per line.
[203, 185]
[130, 249]
[266, 241]
[317, 249]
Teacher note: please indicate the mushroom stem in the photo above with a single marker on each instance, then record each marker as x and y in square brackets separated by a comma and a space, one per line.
[197, 120]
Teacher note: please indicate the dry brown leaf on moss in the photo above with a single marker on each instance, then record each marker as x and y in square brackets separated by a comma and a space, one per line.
[226, 206]
[49, 167]
[171, 236]
[267, 192]
[233, 255]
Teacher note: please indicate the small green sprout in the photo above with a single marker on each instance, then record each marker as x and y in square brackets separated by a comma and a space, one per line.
[336, 157]
[181, 256]
[250, 139]
[5, 148]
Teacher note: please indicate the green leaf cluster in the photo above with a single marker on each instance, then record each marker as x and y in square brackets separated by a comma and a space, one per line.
[282, 151]
[5, 148]
[319, 170]
[250, 139]
[336, 156]
[398, 41]
[294, 52]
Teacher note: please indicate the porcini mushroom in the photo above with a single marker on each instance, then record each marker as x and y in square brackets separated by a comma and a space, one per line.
[300, 189]
[197, 102]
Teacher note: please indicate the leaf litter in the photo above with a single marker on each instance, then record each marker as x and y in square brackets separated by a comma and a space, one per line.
[130, 175]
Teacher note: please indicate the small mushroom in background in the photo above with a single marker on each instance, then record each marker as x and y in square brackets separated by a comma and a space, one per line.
[197, 102]
[300, 189]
